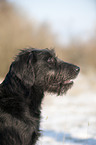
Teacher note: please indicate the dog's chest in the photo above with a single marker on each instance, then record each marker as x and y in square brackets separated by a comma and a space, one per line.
[25, 128]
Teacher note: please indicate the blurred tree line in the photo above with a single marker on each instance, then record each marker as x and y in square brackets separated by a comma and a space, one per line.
[17, 32]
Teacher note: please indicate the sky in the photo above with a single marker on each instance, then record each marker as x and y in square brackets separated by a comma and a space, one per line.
[68, 18]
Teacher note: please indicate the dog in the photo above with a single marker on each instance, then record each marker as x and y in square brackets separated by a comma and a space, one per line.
[33, 72]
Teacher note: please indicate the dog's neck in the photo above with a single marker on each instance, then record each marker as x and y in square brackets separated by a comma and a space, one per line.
[17, 89]
[14, 85]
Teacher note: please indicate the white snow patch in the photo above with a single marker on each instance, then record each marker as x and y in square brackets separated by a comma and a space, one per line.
[70, 119]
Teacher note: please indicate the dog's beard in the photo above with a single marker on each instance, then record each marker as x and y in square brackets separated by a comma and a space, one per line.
[57, 84]
[59, 88]
[63, 88]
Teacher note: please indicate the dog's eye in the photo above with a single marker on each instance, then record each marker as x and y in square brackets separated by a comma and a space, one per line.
[51, 60]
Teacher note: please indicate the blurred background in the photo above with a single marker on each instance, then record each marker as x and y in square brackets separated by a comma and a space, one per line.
[68, 26]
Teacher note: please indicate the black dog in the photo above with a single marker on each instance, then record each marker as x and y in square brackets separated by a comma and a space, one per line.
[32, 73]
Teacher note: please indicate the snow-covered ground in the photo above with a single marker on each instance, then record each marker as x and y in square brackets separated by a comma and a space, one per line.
[70, 119]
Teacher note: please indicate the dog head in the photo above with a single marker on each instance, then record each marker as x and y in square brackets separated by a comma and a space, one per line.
[43, 69]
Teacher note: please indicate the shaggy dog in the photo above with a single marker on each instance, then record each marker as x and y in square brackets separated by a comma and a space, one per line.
[33, 72]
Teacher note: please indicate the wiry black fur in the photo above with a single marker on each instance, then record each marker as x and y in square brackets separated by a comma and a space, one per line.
[32, 73]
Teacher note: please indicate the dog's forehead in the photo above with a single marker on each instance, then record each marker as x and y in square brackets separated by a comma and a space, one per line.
[40, 53]
[45, 52]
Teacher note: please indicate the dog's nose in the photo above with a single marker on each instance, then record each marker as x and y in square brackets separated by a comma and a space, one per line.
[77, 69]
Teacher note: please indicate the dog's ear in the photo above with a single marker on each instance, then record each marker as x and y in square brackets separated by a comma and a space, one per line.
[23, 68]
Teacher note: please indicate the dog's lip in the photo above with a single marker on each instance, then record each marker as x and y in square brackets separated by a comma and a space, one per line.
[68, 81]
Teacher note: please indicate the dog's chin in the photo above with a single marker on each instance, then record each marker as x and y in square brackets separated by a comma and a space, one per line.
[64, 88]
[60, 88]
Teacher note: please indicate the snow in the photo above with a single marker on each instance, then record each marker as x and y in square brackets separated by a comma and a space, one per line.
[70, 119]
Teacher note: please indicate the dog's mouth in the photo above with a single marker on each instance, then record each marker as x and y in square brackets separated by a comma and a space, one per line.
[68, 82]
[59, 84]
